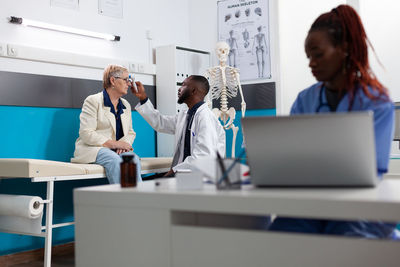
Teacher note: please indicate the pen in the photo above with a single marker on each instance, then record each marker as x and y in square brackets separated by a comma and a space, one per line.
[223, 170]
[224, 176]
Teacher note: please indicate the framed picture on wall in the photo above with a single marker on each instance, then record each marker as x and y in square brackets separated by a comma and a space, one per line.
[111, 8]
[244, 25]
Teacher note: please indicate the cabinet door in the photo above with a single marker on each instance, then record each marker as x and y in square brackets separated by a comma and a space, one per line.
[181, 65]
[197, 63]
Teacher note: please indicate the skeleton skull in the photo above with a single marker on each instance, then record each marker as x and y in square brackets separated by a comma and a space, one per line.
[222, 50]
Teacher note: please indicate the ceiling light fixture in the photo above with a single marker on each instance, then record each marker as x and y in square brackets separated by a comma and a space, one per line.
[43, 25]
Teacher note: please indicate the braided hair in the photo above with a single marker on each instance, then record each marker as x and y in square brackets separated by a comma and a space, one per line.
[343, 25]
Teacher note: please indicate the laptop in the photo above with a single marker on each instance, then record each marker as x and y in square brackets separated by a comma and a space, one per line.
[332, 149]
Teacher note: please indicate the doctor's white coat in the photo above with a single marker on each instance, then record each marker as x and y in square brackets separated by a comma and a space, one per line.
[207, 135]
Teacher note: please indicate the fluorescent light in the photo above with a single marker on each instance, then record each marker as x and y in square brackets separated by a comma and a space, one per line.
[43, 25]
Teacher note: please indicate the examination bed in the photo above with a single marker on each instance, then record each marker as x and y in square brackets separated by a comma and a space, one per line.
[51, 171]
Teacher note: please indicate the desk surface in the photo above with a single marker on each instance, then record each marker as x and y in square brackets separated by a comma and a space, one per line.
[379, 203]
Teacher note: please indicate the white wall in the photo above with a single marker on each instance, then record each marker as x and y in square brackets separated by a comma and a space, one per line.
[295, 19]
[203, 25]
[167, 21]
[193, 23]
[382, 23]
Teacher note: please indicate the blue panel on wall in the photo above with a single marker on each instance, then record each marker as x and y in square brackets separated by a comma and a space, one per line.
[144, 145]
[41, 133]
[50, 133]
[239, 137]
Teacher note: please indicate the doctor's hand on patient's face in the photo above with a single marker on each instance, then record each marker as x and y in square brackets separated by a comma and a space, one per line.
[141, 92]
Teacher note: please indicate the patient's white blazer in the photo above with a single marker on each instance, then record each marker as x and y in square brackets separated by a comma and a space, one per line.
[97, 126]
[207, 135]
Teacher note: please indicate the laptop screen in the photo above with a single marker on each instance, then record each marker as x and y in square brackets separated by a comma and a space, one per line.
[330, 149]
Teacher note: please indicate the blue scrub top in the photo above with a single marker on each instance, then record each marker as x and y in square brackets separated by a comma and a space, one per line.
[313, 100]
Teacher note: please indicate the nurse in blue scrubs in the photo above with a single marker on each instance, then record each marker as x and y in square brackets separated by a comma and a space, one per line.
[336, 46]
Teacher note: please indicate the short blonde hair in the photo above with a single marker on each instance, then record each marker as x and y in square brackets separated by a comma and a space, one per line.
[112, 71]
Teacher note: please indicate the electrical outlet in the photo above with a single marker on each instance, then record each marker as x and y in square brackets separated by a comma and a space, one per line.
[3, 49]
[133, 67]
[12, 51]
[140, 68]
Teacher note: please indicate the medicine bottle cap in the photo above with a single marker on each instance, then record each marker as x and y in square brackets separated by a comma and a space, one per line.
[127, 158]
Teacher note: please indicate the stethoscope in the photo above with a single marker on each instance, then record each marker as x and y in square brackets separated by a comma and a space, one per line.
[321, 102]
[325, 104]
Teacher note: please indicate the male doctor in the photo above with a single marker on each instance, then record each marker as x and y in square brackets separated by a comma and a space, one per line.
[198, 132]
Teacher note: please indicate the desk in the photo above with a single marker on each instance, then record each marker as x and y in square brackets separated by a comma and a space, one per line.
[153, 226]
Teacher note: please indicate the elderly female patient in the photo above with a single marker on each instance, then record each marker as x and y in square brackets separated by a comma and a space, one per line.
[106, 132]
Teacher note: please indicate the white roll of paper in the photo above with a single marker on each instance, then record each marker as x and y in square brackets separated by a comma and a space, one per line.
[21, 206]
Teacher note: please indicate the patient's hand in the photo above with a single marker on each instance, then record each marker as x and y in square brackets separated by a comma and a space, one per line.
[123, 146]
[118, 145]
[120, 151]
[141, 92]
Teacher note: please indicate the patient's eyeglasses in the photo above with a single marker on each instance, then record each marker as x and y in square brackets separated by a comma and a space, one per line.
[127, 80]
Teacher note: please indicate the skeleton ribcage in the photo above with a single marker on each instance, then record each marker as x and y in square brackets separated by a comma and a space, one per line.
[216, 82]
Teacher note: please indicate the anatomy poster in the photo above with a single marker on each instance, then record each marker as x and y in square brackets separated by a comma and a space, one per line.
[244, 25]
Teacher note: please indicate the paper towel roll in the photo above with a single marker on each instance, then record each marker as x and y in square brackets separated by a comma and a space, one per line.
[21, 206]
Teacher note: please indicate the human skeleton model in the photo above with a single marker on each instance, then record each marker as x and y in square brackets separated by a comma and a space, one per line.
[261, 47]
[225, 82]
